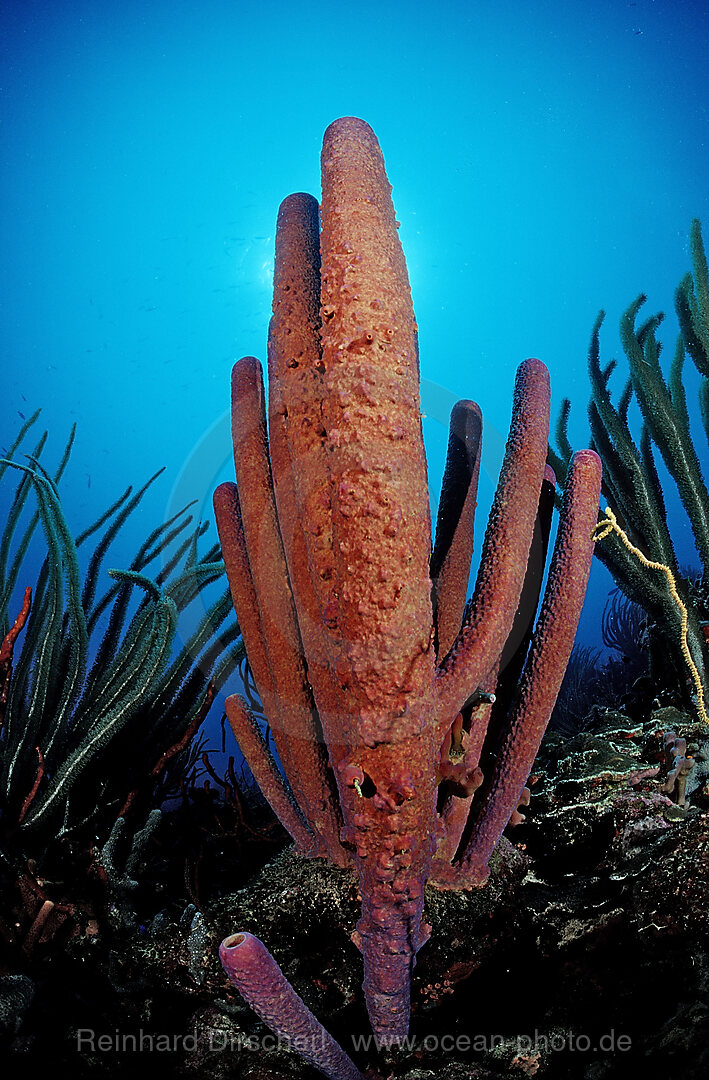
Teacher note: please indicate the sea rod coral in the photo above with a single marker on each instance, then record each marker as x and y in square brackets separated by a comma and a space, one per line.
[362, 662]
[639, 549]
[97, 707]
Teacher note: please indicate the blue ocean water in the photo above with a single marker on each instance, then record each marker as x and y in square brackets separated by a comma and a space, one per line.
[546, 160]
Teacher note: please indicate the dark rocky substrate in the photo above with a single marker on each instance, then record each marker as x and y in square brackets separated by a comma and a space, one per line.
[586, 955]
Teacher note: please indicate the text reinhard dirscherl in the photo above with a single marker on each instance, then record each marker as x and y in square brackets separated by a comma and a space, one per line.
[91, 1041]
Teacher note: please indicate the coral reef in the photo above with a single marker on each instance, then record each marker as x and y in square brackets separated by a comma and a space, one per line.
[404, 717]
[378, 682]
[585, 957]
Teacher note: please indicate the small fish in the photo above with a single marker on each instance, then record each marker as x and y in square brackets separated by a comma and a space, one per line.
[88, 481]
[21, 414]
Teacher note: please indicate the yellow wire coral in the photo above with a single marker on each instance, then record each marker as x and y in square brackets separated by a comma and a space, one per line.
[609, 524]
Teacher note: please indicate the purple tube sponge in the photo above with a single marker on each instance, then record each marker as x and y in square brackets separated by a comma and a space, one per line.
[260, 981]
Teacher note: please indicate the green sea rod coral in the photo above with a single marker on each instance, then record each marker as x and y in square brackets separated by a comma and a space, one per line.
[96, 689]
[631, 482]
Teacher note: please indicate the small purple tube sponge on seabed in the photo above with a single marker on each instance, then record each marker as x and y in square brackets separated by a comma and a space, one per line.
[260, 981]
